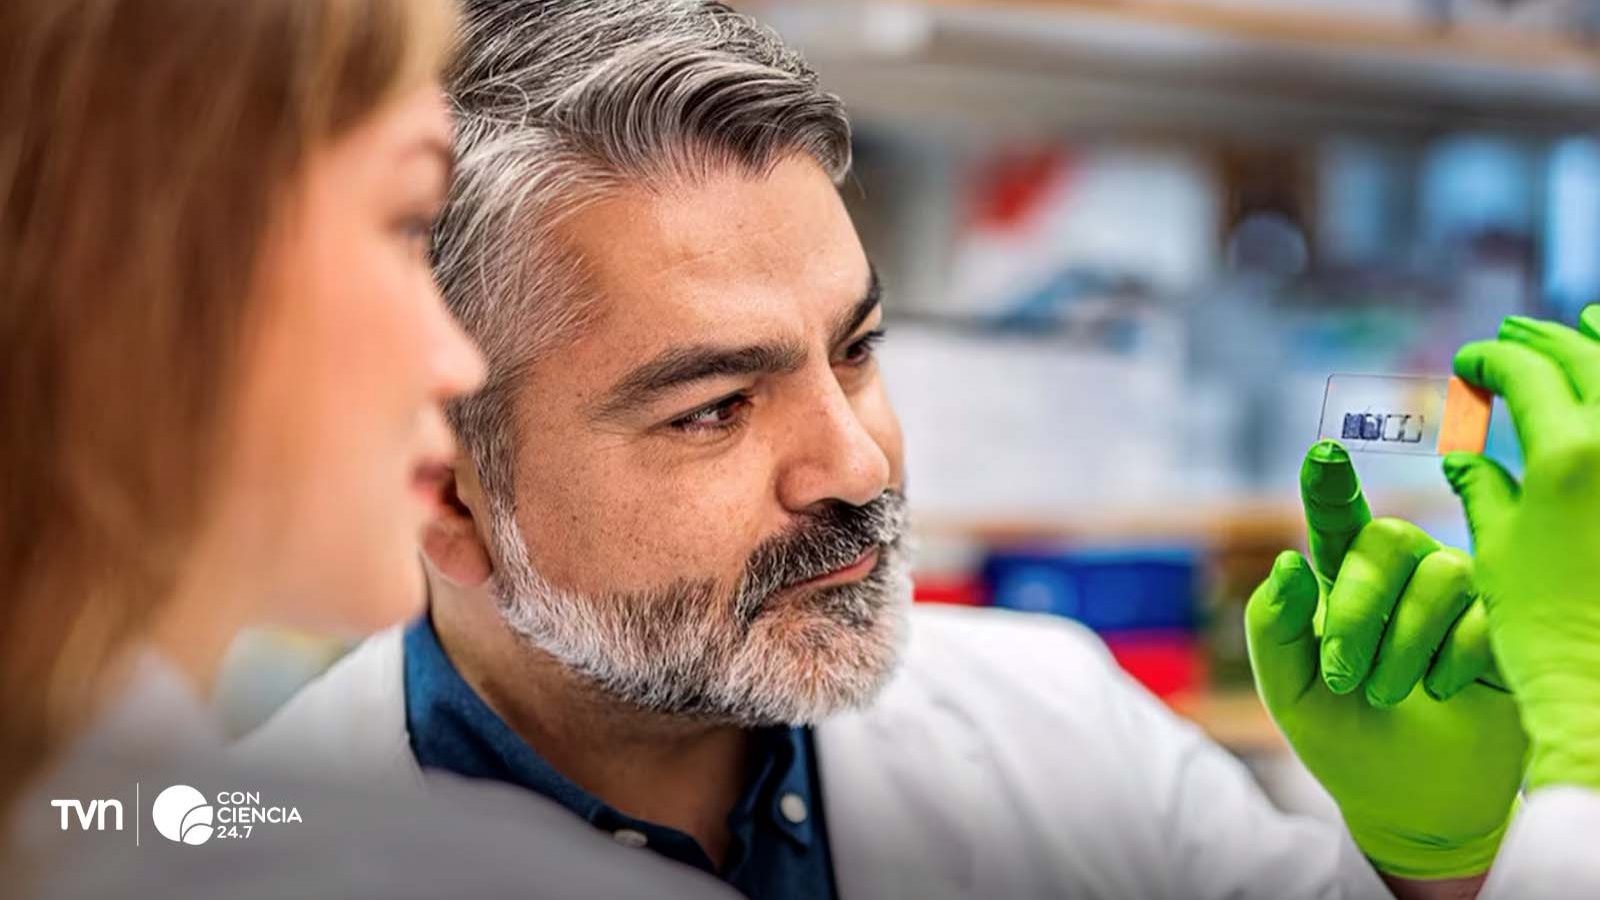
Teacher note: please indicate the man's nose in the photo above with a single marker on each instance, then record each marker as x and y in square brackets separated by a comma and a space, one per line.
[835, 456]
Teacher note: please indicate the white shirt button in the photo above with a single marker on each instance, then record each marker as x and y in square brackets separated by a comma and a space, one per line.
[793, 807]
[627, 837]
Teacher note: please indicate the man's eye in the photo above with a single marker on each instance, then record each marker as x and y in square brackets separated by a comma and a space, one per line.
[724, 415]
[860, 352]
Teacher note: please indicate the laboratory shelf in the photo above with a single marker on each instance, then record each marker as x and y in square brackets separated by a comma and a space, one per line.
[1169, 67]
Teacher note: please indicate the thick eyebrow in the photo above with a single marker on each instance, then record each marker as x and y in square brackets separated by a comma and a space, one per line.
[679, 366]
[852, 319]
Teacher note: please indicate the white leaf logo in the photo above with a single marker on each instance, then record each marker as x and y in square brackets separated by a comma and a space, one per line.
[182, 814]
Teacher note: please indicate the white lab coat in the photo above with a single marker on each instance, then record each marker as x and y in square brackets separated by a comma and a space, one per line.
[1553, 850]
[1008, 758]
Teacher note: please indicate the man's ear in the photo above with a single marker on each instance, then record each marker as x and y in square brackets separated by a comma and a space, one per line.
[451, 540]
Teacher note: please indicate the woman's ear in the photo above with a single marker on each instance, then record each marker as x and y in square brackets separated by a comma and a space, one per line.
[451, 540]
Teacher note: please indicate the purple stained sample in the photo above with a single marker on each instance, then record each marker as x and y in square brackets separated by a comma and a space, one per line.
[1352, 427]
[1371, 427]
[1388, 427]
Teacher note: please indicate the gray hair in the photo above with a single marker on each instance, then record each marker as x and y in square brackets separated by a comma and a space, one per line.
[558, 101]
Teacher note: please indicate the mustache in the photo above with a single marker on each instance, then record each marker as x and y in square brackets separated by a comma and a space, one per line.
[827, 540]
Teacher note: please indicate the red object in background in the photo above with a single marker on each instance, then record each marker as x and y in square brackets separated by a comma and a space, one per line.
[956, 590]
[1166, 662]
[1010, 189]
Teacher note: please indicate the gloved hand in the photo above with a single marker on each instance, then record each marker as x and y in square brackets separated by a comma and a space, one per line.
[1426, 780]
[1538, 544]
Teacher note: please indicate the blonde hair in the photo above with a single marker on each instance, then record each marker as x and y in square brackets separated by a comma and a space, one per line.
[145, 148]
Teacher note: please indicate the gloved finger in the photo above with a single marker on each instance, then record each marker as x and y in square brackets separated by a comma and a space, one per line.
[1465, 656]
[1336, 510]
[1375, 572]
[1535, 388]
[1283, 646]
[1589, 321]
[1491, 674]
[1488, 492]
[1439, 589]
[1577, 355]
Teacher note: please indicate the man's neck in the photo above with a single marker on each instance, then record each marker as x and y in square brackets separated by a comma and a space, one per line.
[660, 769]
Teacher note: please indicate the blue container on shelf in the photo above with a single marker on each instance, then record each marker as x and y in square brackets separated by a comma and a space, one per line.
[1107, 590]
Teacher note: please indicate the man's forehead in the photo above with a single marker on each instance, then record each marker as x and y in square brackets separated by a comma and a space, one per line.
[631, 326]
[733, 254]
[683, 219]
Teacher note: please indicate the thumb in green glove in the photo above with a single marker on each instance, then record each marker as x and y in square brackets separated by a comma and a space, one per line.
[1425, 779]
[1538, 543]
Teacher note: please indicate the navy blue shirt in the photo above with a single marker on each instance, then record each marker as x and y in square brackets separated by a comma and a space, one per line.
[778, 843]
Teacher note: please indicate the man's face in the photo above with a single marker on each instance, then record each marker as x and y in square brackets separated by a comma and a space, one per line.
[709, 477]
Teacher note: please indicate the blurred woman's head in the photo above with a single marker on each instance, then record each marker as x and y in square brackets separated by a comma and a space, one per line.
[221, 353]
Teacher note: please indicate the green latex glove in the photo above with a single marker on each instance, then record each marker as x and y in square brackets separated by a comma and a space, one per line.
[1426, 780]
[1538, 543]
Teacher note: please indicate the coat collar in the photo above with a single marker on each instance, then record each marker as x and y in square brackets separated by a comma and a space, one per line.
[901, 786]
[348, 726]
[904, 781]
[158, 713]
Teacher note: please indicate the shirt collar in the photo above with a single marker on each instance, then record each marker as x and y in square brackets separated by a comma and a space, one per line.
[790, 761]
[452, 728]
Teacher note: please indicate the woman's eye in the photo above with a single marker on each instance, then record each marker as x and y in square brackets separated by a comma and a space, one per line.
[417, 234]
[860, 352]
[723, 415]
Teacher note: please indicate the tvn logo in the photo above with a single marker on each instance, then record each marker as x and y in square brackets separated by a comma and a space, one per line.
[90, 817]
[181, 814]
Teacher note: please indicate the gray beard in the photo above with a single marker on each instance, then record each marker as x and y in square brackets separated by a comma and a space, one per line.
[752, 657]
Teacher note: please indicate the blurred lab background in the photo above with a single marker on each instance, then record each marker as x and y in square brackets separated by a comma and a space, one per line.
[1124, 245]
